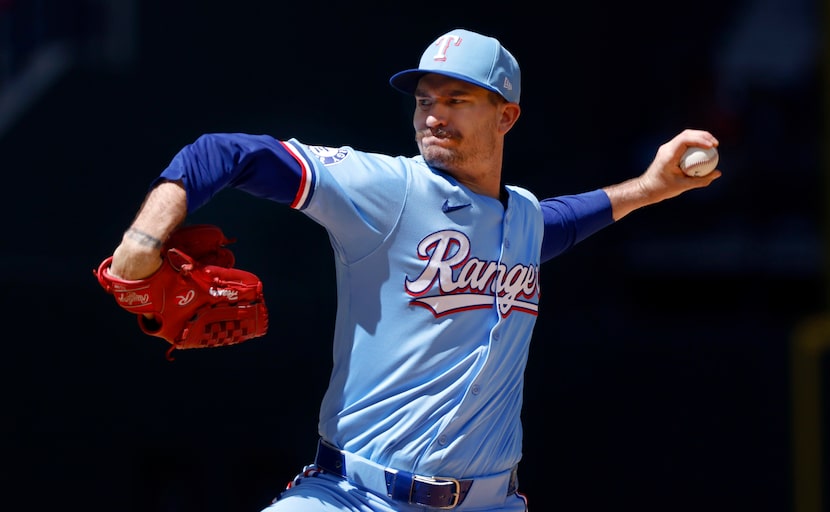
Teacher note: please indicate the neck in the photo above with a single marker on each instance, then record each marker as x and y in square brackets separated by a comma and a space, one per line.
[485, 181]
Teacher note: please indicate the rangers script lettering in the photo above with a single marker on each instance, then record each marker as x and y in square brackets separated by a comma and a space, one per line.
[448, 250]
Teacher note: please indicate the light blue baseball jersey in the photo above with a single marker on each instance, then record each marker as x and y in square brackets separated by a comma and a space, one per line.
[437, 292]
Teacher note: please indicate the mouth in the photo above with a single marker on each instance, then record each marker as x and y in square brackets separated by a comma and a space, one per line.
[438, 136]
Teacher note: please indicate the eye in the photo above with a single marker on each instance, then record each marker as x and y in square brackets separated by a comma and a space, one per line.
[424, 102]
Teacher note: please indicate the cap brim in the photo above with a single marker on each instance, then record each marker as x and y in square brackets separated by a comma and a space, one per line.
[406, 81]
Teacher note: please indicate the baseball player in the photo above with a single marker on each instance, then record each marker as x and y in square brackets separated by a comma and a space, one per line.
[437, 264]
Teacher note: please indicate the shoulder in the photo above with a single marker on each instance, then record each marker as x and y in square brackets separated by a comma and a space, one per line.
[336, 158]
[522, 194]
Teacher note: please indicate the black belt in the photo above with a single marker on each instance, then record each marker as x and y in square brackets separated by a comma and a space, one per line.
[430, 491]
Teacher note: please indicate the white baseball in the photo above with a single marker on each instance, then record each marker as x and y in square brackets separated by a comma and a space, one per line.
[699, 161]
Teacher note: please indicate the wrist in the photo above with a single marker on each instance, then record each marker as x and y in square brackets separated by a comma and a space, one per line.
[142, 238]
[136, 257]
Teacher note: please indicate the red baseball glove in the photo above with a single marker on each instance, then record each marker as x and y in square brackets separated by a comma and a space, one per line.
[196, 298]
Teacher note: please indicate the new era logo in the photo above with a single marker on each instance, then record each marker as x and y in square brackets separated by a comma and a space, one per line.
[507, 85]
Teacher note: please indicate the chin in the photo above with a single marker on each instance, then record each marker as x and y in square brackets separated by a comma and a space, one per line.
[438, 151]
[435, 156]
[439, 160]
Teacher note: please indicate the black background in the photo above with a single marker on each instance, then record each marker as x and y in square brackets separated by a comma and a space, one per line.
[659, 376]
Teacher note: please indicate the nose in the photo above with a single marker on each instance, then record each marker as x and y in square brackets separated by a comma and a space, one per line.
[436, 115]
[435, 119]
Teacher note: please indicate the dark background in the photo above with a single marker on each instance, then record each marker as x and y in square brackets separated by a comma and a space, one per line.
[660, 374]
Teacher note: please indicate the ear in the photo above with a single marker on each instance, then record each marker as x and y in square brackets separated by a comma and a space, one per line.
[510, 113]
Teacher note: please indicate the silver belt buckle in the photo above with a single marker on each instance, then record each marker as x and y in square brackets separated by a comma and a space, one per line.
[439, 480]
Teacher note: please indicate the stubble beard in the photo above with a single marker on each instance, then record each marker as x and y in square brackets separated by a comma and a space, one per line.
[442, 158]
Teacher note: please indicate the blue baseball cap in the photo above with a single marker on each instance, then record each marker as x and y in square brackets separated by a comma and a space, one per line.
[468, 56]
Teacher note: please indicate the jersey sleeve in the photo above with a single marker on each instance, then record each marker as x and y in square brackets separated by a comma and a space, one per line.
[356, 195]
[572, 218]
[257, 164]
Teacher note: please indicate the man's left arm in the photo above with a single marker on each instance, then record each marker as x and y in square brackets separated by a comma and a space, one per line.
[663, 179]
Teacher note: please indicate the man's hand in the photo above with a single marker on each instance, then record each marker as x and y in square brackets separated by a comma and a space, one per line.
[663, 179]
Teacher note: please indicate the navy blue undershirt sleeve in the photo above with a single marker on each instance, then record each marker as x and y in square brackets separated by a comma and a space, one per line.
[573, 218]
[256, 164]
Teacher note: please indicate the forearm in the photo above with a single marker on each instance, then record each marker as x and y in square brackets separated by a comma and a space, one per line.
[164, 209]
[139, 253]
[630, 195]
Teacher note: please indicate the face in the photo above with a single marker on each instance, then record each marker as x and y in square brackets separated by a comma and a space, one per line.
[458, 126]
